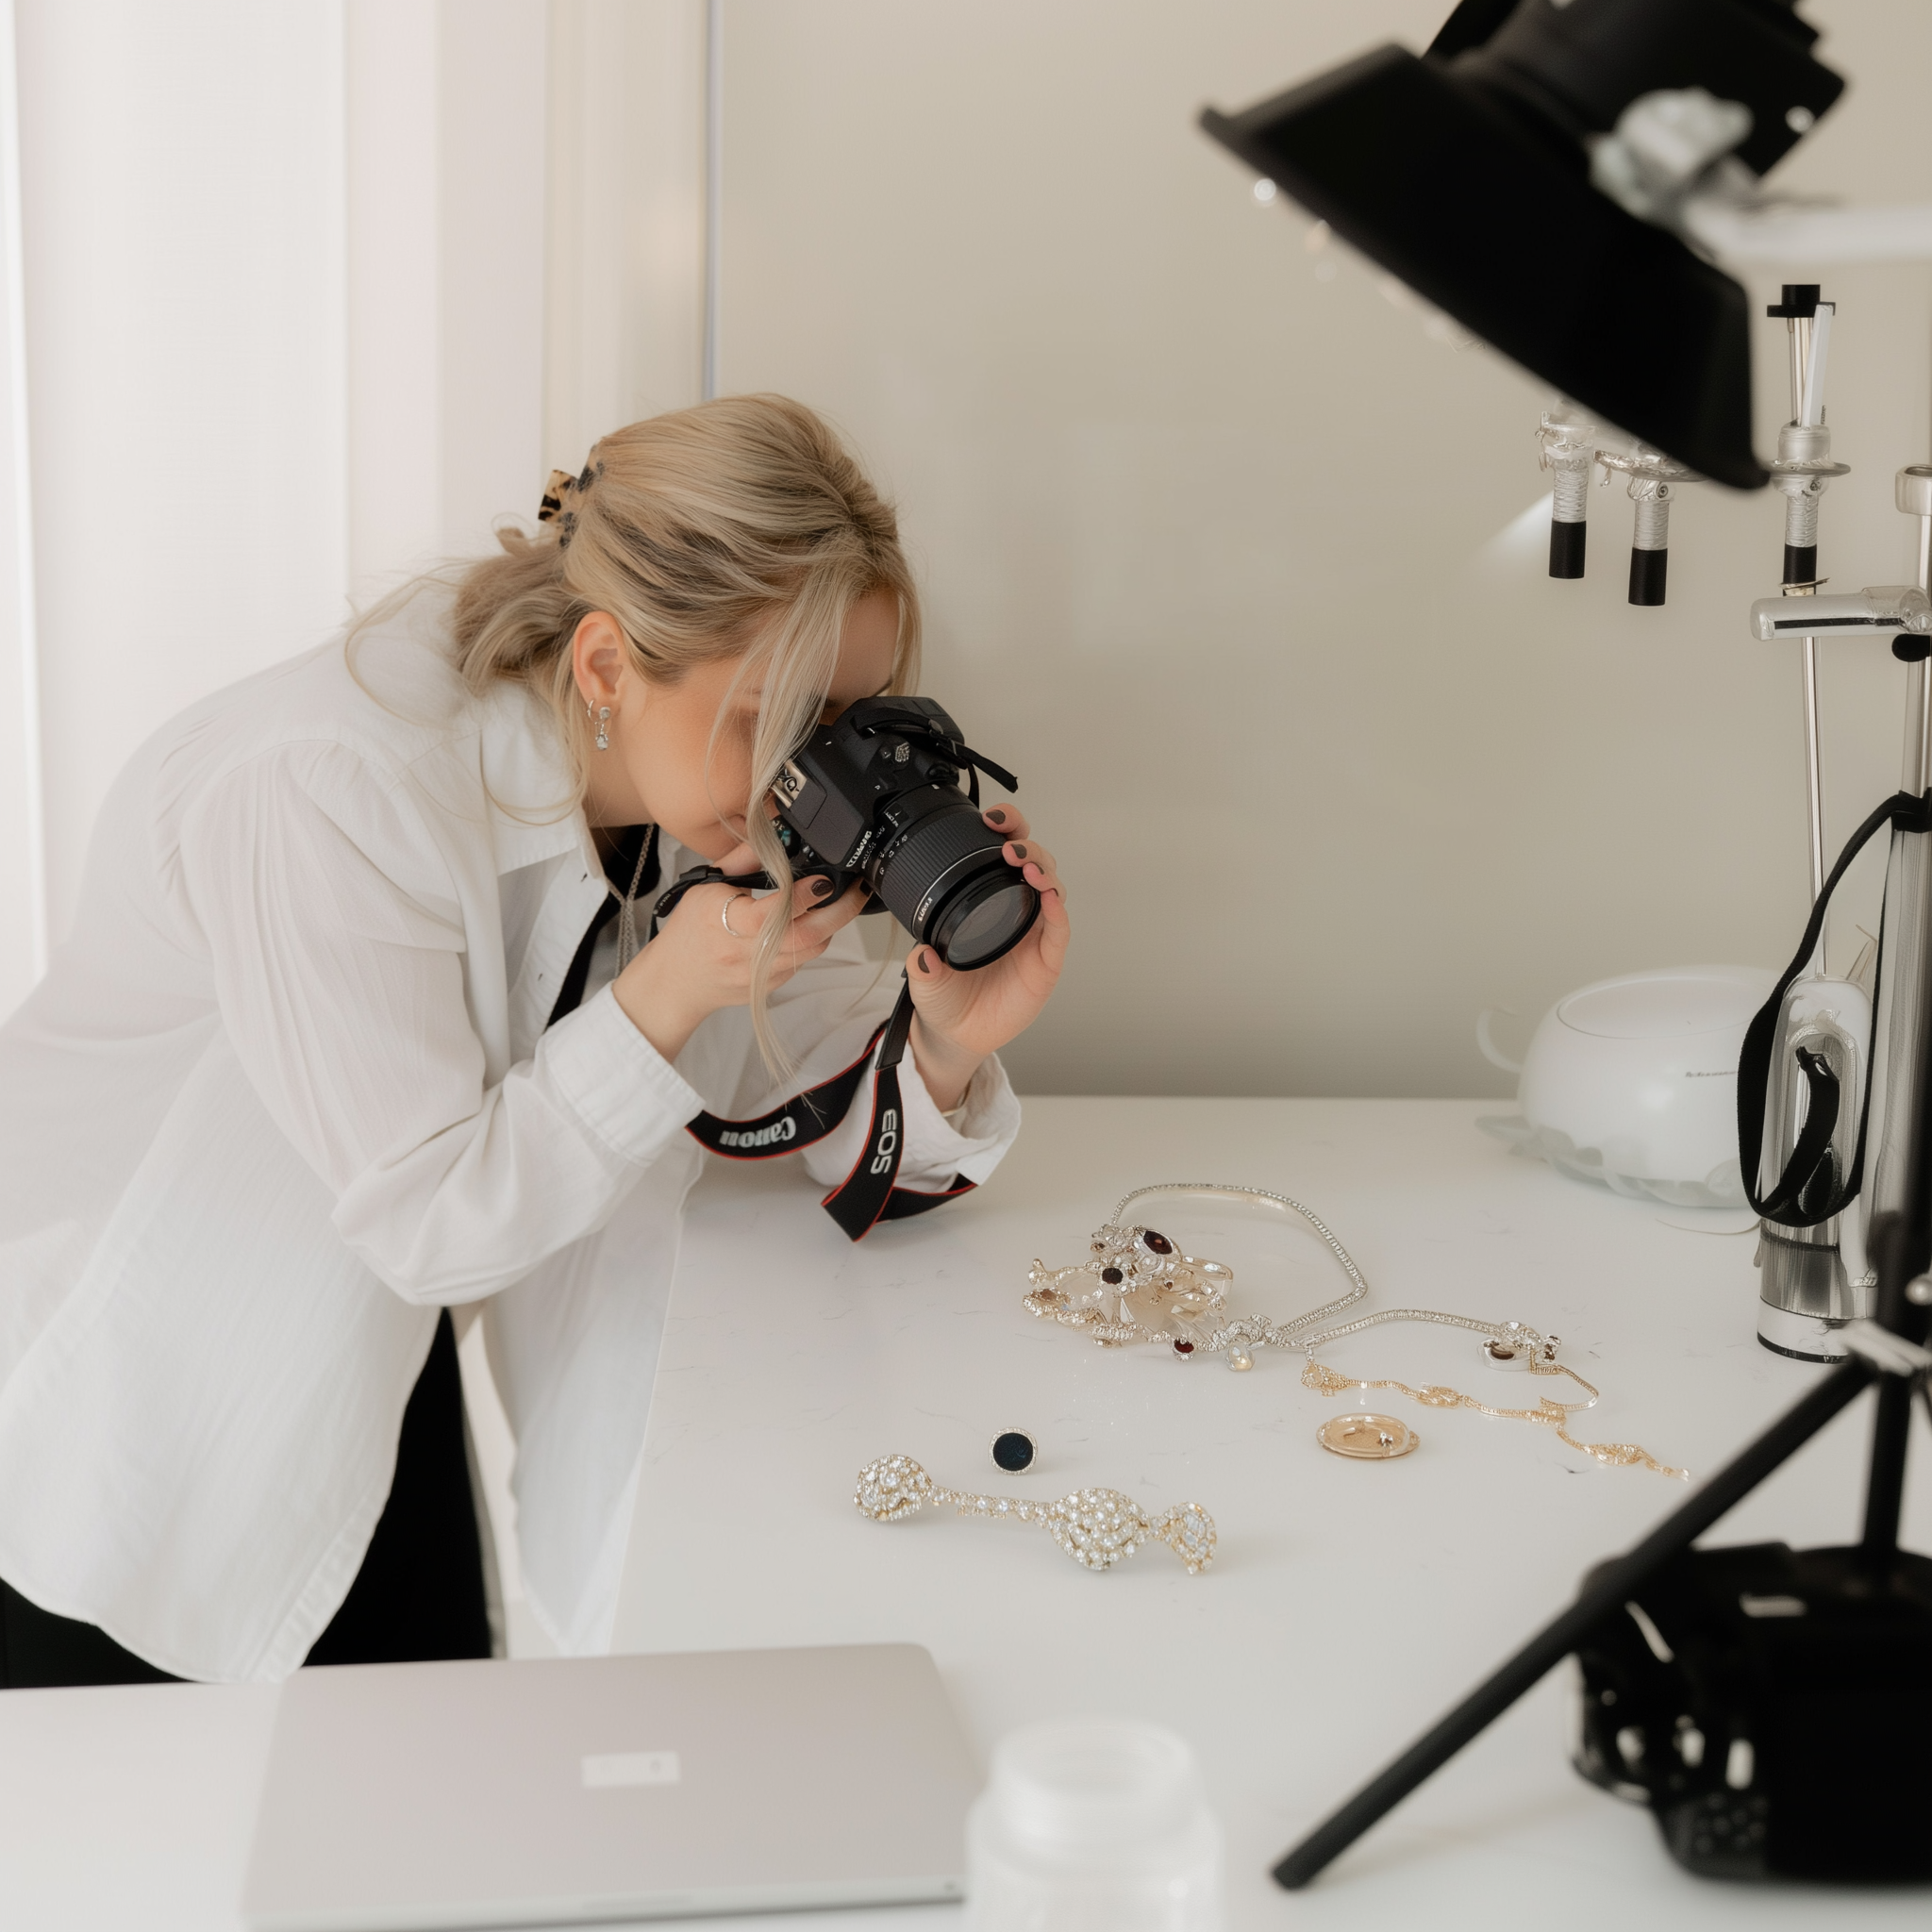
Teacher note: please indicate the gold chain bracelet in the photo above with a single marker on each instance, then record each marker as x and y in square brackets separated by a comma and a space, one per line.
[1551, 1414]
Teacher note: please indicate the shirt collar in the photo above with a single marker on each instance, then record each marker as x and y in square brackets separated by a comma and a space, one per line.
[527, 783]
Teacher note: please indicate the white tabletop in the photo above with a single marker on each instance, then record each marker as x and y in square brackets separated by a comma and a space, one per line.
[1350, 1602]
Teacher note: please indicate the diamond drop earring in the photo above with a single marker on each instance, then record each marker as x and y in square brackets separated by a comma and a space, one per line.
[603, 726]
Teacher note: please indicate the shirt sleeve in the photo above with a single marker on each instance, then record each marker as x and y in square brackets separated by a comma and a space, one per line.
[337, 939]
[938, 1151]
[823, 1015]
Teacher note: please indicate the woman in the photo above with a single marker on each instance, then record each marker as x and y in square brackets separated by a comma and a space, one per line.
[353, 1031]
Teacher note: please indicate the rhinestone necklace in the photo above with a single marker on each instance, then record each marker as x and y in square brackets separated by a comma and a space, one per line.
[1136, 1286]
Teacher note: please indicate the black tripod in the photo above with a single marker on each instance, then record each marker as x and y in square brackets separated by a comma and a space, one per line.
[1890, 1352]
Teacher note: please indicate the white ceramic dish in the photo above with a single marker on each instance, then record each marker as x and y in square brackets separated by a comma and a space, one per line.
[1633, 1082]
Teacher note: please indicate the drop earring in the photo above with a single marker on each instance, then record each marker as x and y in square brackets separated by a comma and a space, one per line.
[603, 728]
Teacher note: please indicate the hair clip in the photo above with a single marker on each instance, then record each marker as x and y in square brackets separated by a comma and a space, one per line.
[1097, 1527]
[552, 505]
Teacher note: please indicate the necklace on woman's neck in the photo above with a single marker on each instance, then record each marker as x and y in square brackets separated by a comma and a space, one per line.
[627, 945]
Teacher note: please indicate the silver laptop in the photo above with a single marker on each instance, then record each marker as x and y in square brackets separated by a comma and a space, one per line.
[566, 1791]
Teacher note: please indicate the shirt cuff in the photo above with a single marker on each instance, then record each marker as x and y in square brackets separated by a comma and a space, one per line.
[984, 1127]
[616, 1082]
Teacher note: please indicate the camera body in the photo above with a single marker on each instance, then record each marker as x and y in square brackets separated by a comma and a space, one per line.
[874, 796]
[1771, 1706]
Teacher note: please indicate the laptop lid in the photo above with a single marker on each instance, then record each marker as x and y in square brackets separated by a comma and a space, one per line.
[564, 1790]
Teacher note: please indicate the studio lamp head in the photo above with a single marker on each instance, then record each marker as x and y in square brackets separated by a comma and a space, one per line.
[1526, 175]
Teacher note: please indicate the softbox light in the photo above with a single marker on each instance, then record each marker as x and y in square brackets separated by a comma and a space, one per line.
[1465, 174]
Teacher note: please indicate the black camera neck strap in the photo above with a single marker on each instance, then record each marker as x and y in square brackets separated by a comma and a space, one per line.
[703, 876]
[869, 1194]
[1793, 1201]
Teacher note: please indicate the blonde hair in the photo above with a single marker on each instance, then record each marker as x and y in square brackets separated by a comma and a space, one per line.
[742, 527]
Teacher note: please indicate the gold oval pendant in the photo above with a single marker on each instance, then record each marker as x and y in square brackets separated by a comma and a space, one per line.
[1370, 1437]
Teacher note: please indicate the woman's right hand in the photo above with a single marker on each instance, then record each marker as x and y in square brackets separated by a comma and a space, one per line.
[698, 965]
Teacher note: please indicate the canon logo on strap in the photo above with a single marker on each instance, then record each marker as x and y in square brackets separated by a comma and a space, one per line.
[786, 1129]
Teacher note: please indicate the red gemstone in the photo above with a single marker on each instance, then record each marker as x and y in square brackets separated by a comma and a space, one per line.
[1184, 1348]
[1110, 1275]
[1159, 1243]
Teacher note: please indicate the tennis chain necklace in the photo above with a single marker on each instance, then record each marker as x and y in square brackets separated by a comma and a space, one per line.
[1137, 1286]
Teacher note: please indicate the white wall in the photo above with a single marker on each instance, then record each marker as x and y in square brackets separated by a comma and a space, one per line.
[317, 289]
[625, 277]
[444, 188]
[284, 313]
[181, 175]
[1208, 539]
[23, 844]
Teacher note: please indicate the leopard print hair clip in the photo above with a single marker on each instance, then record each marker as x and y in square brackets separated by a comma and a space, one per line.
[562, 484]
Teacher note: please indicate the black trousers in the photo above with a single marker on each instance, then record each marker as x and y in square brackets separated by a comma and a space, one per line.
[418, 1593]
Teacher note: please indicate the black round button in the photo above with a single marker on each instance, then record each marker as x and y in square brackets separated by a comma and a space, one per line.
[1013, 1451]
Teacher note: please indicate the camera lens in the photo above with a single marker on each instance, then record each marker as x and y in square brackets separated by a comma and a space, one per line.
[944, 876]
[990, 917]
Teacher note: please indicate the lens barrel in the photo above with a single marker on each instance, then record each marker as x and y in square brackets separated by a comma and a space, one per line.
[943, 876]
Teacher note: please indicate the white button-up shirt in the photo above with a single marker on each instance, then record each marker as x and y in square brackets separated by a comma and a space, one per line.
[286, 1090]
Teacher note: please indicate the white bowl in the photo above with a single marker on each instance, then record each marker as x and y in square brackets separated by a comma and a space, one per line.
[1633, 1082]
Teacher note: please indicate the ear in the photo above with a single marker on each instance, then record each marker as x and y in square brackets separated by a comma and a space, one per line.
[600, 660]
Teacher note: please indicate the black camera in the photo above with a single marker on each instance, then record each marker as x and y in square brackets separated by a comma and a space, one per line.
[874, 796]
[1771, 1705]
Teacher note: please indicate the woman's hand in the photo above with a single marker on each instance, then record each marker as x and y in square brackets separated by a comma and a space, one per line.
[701, 959]
[961, 1017]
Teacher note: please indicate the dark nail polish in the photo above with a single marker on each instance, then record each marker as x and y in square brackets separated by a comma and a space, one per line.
[820, 888]
[998, 817]
[1018, 850]
[924, 962]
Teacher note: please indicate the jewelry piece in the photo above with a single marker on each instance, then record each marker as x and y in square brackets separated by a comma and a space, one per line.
[1367, 1438]
[627, 910]
[1137, 1286]
[1505, 1352]
[725, 914]
[603, 726]
[1097, 1527]
[1551, 1414]
[1014, 1450]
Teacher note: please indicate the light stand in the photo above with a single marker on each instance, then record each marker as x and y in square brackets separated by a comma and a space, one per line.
[1890, 1351]
[1535, 156]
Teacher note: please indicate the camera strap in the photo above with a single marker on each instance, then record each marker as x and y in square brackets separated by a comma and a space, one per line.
[1791, 1201]
[869, 1194]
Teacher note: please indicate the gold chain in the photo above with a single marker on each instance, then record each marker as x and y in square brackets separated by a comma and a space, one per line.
[1552, 1414]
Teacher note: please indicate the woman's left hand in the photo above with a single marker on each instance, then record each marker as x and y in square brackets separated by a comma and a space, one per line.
[961, 1017]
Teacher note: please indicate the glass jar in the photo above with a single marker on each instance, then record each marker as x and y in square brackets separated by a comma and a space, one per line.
[1093, 1824]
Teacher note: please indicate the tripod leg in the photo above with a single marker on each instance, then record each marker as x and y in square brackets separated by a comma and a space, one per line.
[1884, 1486]
[1556, 1640]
